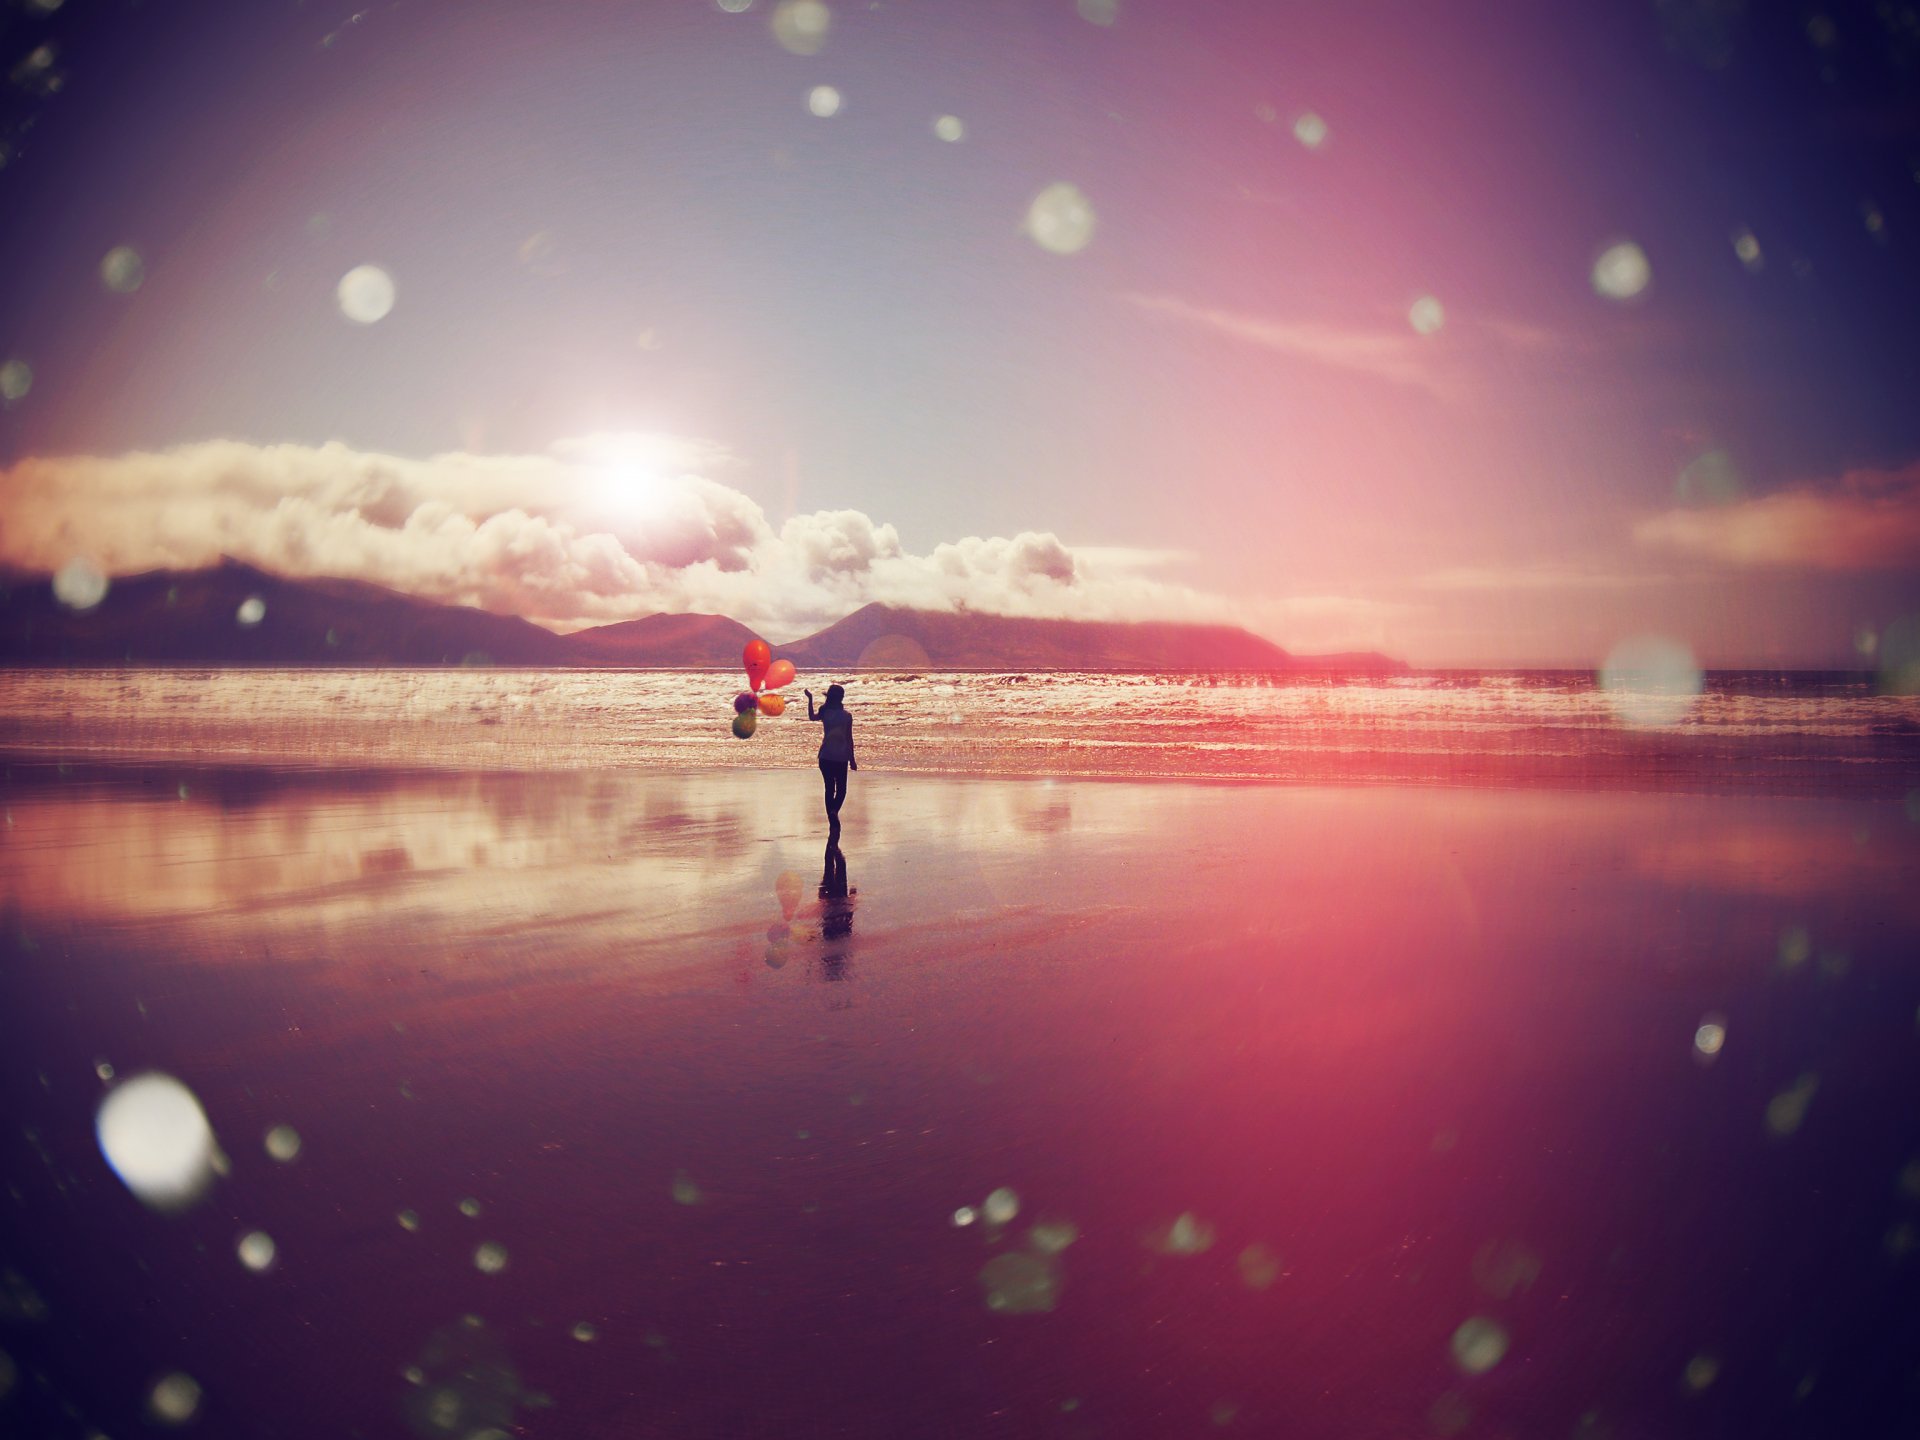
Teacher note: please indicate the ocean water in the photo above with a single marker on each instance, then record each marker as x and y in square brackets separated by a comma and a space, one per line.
[1808, 732]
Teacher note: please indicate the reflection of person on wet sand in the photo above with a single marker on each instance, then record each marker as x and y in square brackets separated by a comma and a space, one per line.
[836, 913]
[836, 751]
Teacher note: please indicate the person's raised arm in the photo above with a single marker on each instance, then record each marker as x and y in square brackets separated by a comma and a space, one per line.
[810, 714]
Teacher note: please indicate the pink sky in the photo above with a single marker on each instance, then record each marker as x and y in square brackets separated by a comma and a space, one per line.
[662, 337]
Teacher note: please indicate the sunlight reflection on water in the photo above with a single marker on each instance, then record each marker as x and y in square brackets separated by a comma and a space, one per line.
[1460, 725]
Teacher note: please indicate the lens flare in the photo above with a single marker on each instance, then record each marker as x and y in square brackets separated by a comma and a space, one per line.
[175, 1399]
[1061, 219]
[800, 26]
[1712, 479]
[1621, 271]
[366, 294]
[79, 585]
[123, 271]
[1426, 316]
[156, 1137]
[256, 1250]
[1709, 1038]
[1651, 682]
[1479, 1345]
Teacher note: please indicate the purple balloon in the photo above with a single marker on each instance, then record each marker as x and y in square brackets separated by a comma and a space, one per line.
[744, 702]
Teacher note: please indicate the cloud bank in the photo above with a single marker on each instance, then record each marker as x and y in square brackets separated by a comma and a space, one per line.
[1865, 520]
[600, 528]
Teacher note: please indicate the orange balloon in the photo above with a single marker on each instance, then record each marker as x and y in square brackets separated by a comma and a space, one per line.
[773, 704]
[781, 672]
[755, 658]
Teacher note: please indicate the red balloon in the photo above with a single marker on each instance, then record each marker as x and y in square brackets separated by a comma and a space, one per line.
[781, 672]
[755, 658]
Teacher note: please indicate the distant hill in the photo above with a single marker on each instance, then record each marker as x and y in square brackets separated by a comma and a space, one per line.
[885, 637]
[687, 640]
[195, 617]
[192, 617]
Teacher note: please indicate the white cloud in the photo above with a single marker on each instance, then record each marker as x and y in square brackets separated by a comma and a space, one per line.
[596, 529]
[1864, 520]
[1536, 575]
[1396, 356]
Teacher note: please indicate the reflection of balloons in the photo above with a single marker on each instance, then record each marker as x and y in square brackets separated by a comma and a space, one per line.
[787, 888]
[755, 658]
[743, 702]
[744, 722]
[773, 704]
[781, 672]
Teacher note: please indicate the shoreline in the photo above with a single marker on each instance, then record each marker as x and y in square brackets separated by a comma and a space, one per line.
[1838, 778]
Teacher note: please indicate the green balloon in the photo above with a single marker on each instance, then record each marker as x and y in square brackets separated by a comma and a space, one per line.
[745, 722]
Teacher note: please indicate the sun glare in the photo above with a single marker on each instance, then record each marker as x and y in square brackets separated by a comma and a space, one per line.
[626, 490]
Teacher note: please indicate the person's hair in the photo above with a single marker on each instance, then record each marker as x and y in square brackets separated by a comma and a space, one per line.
[835, 694]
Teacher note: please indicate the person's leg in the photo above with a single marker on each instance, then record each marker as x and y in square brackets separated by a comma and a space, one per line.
[836, 790]
[826, 781]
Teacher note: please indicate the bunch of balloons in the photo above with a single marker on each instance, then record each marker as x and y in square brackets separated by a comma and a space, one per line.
[765, 675]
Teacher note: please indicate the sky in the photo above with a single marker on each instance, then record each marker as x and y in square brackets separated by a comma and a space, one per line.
[1482, 334]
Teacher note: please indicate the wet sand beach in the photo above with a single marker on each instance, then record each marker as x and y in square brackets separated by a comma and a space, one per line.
[1095, 1108]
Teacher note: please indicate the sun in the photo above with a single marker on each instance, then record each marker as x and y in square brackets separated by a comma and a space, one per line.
[627, 490]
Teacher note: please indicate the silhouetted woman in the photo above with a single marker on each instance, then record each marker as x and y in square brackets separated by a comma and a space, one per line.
[836, 750]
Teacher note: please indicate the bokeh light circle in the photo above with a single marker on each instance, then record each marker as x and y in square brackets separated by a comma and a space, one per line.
[1710, 1036]
[823, 101]
[79, 584]
[366, 294]
[950, 128]
[1311, 131]
[16, 376]
[1710, 479]
[1622, 271]
[174, 1399]
[1426, 315]
[251, 612]
[1479, 1345]
[156, 1137]
[1098, 12]
[123, 271]
[1899, 651]
[1651, 681]
[800, 26]
[283, 1141]
[256, 1250]
[1061, 219]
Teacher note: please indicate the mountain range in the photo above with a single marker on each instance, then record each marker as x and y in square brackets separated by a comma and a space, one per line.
[208, 618]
